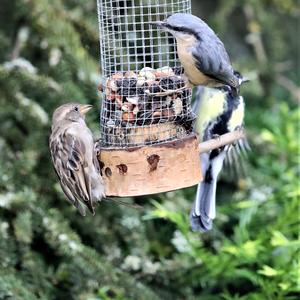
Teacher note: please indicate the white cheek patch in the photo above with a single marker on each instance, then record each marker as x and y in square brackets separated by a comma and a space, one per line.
[237, 117]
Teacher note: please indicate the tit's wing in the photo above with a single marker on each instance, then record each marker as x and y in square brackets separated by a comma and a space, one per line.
[68, 155]
[212, 60]
[234, 164]
[198, 94]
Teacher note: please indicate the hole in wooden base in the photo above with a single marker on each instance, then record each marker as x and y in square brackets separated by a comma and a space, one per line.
[153, 162]
[108, 172]
[122, 169]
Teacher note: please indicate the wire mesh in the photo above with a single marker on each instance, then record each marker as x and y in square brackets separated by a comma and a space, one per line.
[144, 96]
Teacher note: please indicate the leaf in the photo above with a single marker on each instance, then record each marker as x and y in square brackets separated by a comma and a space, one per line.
[23, 227]
[269, 272]
[278, 239]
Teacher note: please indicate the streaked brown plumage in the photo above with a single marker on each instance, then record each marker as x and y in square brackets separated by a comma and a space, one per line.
[73, 156]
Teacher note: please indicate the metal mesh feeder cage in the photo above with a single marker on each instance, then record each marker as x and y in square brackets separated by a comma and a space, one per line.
[147, 139]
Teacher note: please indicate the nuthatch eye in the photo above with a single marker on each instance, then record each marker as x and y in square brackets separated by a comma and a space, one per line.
[201, 52]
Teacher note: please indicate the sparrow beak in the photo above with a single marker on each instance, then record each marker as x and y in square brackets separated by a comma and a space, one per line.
[84, 109]
[159, 24]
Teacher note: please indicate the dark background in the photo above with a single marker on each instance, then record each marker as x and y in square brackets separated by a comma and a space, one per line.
[49, 54]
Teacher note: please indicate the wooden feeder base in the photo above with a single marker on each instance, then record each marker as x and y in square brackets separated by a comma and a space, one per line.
[151, 169]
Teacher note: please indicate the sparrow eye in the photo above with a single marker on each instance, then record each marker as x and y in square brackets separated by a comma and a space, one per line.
[76, 108]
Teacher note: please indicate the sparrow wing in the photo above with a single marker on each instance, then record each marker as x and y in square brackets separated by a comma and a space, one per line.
[214, 62]
[69, 158]
[79, 167]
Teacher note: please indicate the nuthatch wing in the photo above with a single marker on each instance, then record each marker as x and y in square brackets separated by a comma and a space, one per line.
[201, 52]
[218, 112]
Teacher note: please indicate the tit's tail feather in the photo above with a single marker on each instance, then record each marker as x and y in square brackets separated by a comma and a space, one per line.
[204, 209]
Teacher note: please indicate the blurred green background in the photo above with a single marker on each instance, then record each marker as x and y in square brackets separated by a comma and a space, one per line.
[49, 54]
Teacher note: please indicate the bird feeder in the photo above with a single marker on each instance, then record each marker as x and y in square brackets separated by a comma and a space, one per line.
[147, 140]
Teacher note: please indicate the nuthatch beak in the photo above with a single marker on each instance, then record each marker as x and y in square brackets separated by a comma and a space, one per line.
[159, 24]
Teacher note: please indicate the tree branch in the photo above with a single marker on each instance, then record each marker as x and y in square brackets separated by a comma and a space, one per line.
[21, 39]
[288, 84]
[223, 140]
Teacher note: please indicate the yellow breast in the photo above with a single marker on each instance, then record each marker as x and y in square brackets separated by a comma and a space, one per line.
[212, 105]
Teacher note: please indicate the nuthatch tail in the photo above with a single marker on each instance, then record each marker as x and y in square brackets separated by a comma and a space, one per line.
[201, 52]
[218, 112]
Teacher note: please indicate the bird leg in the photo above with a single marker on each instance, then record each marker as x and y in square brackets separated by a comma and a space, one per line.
[240, 129]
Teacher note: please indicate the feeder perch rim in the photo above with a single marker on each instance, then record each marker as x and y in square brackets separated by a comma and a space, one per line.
[222, 140]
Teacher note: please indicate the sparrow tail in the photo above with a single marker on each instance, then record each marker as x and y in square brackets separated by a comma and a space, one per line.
[120, 202]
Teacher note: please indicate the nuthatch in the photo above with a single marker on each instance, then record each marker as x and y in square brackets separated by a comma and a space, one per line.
[218, 112]
[201, 52]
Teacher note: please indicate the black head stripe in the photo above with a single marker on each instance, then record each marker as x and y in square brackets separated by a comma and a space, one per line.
[182, 29]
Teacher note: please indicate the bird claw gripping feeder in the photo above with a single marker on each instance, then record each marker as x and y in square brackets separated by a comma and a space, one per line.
[147, 140]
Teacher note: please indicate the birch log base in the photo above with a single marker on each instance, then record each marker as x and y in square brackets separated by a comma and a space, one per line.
[151, 169]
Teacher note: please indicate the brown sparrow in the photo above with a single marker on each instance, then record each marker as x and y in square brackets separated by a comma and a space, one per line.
[74, 158]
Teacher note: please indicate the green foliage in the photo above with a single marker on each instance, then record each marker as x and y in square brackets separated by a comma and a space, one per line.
[260, 254]
[48, 56]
